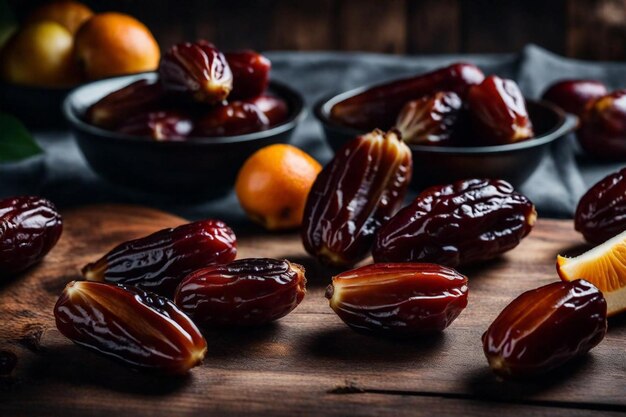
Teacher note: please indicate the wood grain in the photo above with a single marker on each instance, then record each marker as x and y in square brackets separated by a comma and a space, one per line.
[596, 29]
[309, 363]
[434, 26]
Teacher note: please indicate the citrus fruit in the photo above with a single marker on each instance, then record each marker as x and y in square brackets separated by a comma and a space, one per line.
[112, 44]
[69, 14]
[605, 267]
[273, 184]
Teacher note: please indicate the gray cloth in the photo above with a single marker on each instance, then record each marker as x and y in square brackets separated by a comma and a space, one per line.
[563, 176]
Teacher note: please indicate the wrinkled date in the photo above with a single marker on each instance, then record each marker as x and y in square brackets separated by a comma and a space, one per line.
[159, 262]
[354, 194]
[251, 74]
[138, 97]
[601, 212]
[379, 106]
[573, 95]
[544, 328]
[197, 70]
[430, 120]
[29, 229]
[461, 223]
[274, 108]
[158, 125]
[130, 325]
[400, 299]
[245, 292]
[498, 112]
[234, 118]
[602, 131]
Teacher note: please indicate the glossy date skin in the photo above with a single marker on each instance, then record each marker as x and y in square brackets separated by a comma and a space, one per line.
[498, 112]
[544, 328]
[29, 228]
[430, 120]
[163, 125]
[378, 107]
[457, 224]
[398, 299]
[573, 95]
[601, 212]
[251, 74]
[136, 327]
[602, 130]
[159, 262]
[274, 108]
[354, 194]
[246, 292]
[139, 97]
[229, 119]
[196, 70]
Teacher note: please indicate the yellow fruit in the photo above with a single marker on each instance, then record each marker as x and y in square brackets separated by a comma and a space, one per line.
[40, 54]
[69, 14]
[112, 44]
[605, 267]
[273, 184]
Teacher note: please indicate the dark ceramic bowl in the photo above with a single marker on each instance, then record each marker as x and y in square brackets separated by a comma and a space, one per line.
[444, 164]
[36, 107]
[199, 168]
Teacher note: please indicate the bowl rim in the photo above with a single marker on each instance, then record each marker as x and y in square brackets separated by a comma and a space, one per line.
[71, 115]
[566, 123]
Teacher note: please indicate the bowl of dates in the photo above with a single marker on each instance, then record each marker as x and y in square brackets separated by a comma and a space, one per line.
[457, 123]
[186, 129]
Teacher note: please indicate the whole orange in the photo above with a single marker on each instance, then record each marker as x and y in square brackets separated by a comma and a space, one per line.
[273, 184]
[112, 44]
[67, 13]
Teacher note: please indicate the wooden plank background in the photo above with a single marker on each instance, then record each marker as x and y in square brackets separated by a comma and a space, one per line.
[588, 29]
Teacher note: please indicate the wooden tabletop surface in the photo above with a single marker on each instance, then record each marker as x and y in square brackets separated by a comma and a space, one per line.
[308, 363]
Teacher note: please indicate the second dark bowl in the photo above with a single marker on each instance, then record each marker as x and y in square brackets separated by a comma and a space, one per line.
[195, 169]
[445, 164]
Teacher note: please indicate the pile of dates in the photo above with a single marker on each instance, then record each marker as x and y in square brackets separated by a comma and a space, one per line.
[602, 115]
[200, 92]
[452, 106]
[413, 288]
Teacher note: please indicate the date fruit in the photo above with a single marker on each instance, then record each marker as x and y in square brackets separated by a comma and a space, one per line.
[544, 328]
[430, 120]
[399, 299]
[131, 325]
[601, 212]
[234, 118]
[457, 224]
[602, 130]
[498, 112]
[29, 229]
[158, 262]
[198, 70]
[573, 95]
[354, 194]
[251, 74]
[158, 125]
[245, 292]
[138, 97]
[378, 107]
[274, 108]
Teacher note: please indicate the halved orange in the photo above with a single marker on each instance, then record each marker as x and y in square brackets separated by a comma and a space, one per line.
[605, 267]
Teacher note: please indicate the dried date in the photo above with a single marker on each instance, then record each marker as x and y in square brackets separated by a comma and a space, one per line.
[251, 74]
[601, 212]
[229, 119]
[164, 125]
[354, 194]
[245, 292]
[159, 262]
[274, 108]
[544, 328]
[29, 229]
[573, 95]
[131, 325]
[399, 299]
[457, 224]
[602, 130]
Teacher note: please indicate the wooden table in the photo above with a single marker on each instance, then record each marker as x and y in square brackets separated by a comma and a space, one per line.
[308, 363]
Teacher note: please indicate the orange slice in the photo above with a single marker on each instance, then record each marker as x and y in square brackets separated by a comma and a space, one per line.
[605, 267]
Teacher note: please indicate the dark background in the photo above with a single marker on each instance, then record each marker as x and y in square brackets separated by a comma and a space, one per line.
[587, 29]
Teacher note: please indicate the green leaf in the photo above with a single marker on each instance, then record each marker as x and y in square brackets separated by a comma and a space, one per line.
[16, 143]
